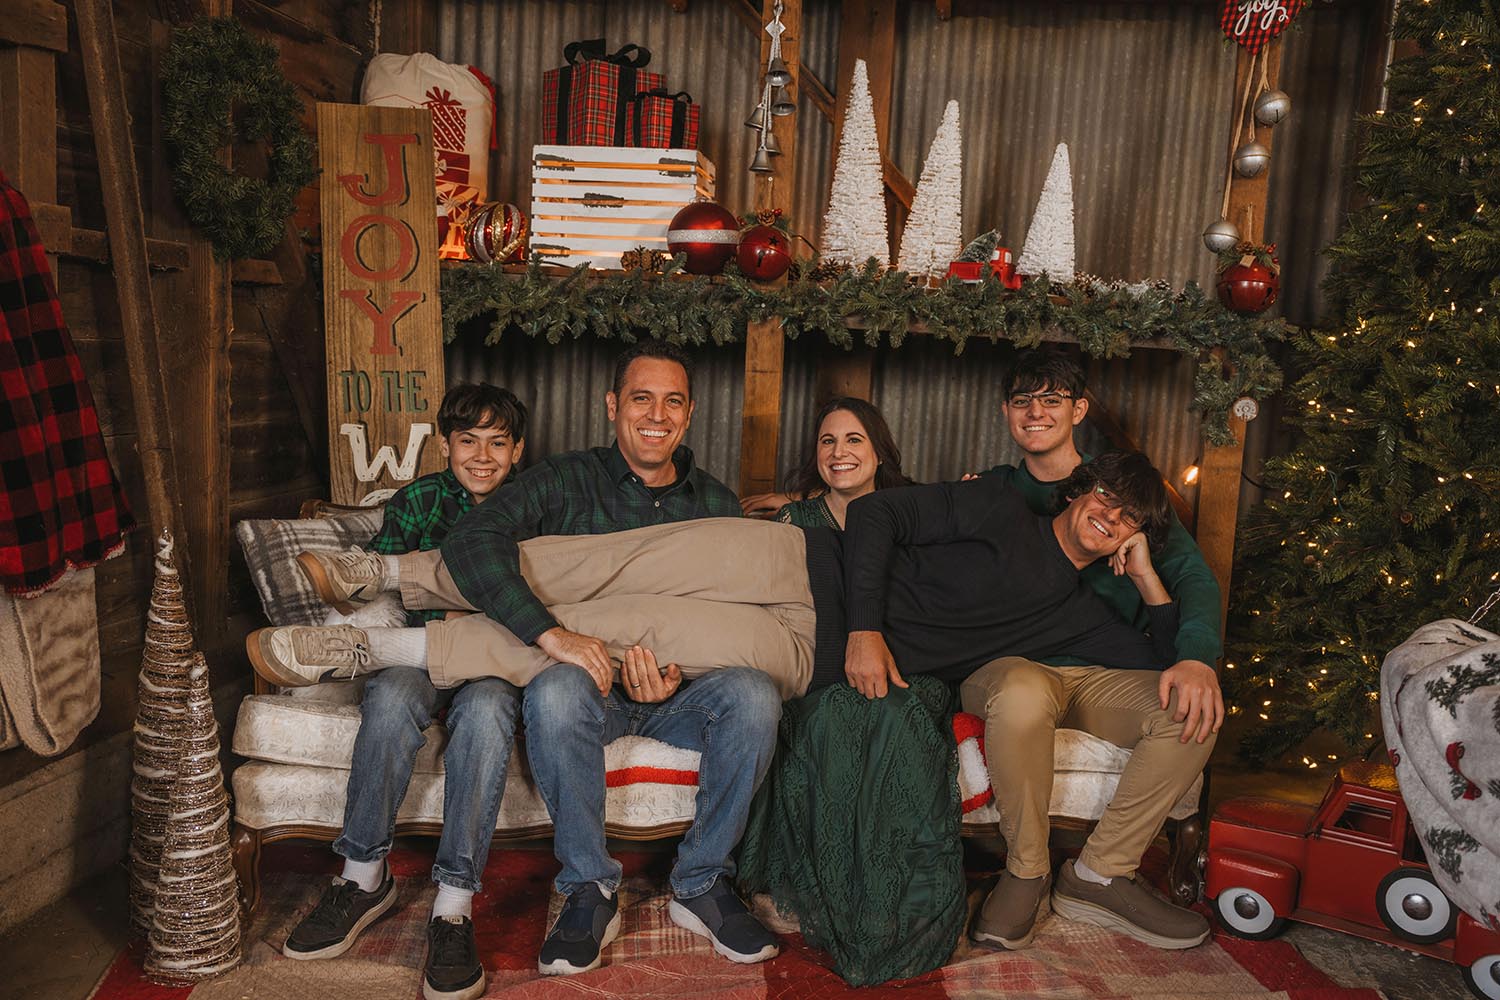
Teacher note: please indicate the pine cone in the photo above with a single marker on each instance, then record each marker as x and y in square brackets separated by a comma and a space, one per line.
[826, 271]
[1162, 285]
[643, 259]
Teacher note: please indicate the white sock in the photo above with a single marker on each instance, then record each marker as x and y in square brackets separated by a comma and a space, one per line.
[368, 875]
[397, 647]
[1088, 874]
[392, 580]
[608, 892]
[452, 901]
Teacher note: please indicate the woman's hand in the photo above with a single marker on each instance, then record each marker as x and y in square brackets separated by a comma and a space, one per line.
[869, 665]
[763, 504]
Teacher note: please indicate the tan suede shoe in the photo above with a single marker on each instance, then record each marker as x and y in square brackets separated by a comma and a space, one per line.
[1009, 918]
[344, 579]
[1129, 907]
[299, 655]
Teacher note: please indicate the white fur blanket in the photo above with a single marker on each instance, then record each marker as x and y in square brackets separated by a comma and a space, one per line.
[1440, 705]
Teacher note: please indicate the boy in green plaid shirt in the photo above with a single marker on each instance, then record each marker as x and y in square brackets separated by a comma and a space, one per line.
[483, 432]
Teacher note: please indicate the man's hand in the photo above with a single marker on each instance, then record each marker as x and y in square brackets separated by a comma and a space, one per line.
[644, 681]
[583, 650]
[869, 665]
[1199, 700]
[1133, 557]
[763, 504]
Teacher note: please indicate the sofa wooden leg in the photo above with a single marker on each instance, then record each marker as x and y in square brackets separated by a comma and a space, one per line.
[245, 844]
[1184, 875]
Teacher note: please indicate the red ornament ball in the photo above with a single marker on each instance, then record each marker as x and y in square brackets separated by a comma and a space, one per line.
[496, 232]
[1248, 288]
[707, 233]
[764, 254]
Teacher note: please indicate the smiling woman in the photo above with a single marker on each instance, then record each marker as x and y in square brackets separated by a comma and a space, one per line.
[852, 452]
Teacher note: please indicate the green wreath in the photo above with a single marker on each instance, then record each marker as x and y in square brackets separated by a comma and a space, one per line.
[219, 84]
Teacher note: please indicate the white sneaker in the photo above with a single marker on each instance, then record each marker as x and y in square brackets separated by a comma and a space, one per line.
[344, 579]
[300, 655]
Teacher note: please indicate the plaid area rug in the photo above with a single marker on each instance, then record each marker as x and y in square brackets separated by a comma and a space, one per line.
[653, 957]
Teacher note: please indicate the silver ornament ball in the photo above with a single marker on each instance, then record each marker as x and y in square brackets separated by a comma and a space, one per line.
[1221, 236]
[1272, 106]
[1251, 159]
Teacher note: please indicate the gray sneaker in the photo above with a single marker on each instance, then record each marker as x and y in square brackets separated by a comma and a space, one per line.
[1012, 912]
[344, 579]
[1129, 907]
[302, 655]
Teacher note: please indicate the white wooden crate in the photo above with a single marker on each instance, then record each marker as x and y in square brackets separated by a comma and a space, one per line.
[595, 202]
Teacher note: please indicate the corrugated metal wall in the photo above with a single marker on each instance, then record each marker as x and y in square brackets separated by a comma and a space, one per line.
[1140, 93]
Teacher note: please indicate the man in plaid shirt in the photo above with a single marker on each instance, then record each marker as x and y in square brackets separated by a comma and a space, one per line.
[482, 432]
[573, 707]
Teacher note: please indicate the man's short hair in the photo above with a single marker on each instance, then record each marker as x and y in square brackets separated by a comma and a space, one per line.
[1135, 484]
[651, 348]
[1037, 370]
[469, 405]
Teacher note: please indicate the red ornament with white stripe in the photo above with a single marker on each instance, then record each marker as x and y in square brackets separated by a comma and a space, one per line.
[708, 233]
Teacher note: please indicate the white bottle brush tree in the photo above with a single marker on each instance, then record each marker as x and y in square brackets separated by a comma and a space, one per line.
[934, 232]
[854, 230]
[1049, 241]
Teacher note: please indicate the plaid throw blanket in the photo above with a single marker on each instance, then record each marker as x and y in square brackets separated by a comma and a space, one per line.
[60, 504]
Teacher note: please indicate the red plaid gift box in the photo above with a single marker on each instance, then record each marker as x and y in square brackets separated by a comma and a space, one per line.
[659, 120]
[586, 102]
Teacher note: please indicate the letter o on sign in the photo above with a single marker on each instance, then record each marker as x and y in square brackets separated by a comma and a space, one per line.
[349, 248]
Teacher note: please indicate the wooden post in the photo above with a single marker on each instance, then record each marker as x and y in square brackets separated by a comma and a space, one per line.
[127, 244]
[765, 343]
[30, 37]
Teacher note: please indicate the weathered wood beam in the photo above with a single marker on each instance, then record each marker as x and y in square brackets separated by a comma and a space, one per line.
[1101, 417]
[944, 9]
[28, 120]
[844, 373]
[678, 6]
[1247, 195]
[122, 207]
[54, 224]
[39, 24]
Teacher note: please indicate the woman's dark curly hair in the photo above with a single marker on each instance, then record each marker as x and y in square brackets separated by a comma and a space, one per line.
[1136, 486]
[806, 481]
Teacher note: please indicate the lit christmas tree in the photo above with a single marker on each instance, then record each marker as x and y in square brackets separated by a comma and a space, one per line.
[854, 230]
[1049, 241]
[934, 233]
[1387, 513]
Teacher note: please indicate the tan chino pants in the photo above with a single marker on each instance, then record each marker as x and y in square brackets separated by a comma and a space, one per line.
[1023, 703]
[705, 594]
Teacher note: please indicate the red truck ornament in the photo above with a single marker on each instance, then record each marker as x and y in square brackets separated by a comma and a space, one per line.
[1353, 864]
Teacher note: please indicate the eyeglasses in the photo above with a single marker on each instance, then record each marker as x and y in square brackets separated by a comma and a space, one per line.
[1049, 400]
[1131, 517]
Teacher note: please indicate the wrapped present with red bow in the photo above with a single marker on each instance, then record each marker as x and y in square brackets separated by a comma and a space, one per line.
[659, 120]
[587, 102]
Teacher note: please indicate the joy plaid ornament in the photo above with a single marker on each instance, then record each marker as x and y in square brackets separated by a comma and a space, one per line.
[1253, 23]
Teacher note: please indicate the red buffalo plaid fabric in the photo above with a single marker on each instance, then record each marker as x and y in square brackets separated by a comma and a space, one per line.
[60, 504]
[1253, 23]
[585, 103]
[659, 120]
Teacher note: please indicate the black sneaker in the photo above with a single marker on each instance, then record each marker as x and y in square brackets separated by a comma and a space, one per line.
[333, 925]
[719, 916]
[585, 927]
[453, 971]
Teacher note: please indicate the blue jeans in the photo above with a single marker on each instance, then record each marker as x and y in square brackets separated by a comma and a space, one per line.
[729, 716]
[399, 703]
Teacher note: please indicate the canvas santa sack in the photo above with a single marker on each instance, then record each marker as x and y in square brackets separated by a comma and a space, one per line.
[1440, 706]
[462, 102]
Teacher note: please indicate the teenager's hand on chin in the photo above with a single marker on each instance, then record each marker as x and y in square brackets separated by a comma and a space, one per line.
[582, 650]
[644, 681]
[869, 665]
[1200, 703]
[1133, 557]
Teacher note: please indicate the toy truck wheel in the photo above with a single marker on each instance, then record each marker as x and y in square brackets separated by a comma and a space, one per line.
[1482, 976]
[1412, 906]
[1248, 914]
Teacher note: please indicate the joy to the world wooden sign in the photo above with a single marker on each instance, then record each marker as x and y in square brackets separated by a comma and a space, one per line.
[1253, 23]
[380, 297]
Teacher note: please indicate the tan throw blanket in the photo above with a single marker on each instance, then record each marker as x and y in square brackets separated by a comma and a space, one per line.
[1440, 705]
[49, 665]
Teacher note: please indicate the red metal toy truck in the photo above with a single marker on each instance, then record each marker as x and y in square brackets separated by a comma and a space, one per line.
[1352, 864]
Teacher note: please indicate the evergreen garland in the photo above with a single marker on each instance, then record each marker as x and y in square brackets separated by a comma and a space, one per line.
[1384, 515]
[220, 83]
[878, 306]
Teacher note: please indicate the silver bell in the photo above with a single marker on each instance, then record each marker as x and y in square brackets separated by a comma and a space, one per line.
[757, 117]
[762, 162]
[1251, 159]
[777, 75]
[1272, 106]
[1221, 236]
[782, 104]
[770, 144]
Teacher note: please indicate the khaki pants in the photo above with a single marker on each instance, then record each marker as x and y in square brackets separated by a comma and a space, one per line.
[719, 592]
[1023, 703]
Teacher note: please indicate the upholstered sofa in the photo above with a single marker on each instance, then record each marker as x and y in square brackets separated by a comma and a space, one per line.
[297, 747]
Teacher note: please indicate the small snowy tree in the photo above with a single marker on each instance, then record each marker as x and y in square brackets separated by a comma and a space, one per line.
[934, 233]
[1049, 241]
[854, 229]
